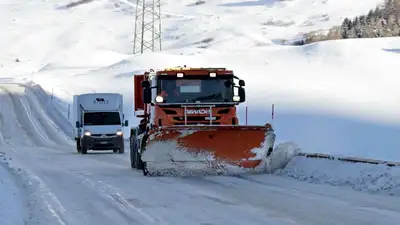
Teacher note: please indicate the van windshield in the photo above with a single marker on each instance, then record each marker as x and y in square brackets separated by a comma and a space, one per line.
[101, 118]
[195, 89]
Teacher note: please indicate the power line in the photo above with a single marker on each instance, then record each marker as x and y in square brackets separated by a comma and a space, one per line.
[147, 35]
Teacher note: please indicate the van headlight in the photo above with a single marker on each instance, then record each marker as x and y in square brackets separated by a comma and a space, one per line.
[119, 133]
[86, 133]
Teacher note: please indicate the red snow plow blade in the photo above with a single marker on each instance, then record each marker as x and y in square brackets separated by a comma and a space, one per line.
[239, 146]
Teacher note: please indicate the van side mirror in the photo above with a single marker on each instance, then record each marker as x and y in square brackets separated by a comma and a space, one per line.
[242, 94]
[126, 123]
[77, 125]
[146, 95]
[242, 83]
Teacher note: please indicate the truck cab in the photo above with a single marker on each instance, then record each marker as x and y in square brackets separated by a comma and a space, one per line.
[191, 96]
[193, 110]
[99, 122]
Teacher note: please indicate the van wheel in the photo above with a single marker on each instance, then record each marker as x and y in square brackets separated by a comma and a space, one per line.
[122, 149]
[84, 150]
[78, 146]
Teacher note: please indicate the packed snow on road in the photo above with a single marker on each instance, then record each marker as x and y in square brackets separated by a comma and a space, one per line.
[333, 97]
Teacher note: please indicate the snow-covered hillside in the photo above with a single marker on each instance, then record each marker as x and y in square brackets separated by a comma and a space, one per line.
[336, 97]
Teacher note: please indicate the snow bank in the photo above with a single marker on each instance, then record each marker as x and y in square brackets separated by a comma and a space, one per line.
[159, 161]
[280, 157]
[377, 179]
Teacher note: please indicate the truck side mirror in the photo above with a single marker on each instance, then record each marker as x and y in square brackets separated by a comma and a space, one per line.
[146, 95]
[145, 84]
[77, 125]
[241, 83]
[242, 94]
[126, 123]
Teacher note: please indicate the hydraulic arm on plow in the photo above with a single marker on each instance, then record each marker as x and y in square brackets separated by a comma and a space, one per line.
[189, 120]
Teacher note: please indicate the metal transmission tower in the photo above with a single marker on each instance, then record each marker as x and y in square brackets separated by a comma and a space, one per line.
[147, 26]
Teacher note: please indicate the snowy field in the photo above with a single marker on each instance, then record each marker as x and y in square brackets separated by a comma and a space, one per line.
[333, 97]
[336, 97]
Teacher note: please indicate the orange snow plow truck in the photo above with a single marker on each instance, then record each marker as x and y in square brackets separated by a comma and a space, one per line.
[189, 122]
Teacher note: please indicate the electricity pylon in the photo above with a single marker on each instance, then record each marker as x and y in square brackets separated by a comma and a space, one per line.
[147, 26]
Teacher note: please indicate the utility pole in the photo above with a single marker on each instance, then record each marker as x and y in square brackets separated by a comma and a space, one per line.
[147, 26]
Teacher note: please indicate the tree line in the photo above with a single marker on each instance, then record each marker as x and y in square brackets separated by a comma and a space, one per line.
[383, 21]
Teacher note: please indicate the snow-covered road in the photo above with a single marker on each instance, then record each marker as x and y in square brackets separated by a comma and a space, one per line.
[100, 188]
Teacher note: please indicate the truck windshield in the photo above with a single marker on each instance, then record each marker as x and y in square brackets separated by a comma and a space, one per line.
[195, 90]
[101, 118]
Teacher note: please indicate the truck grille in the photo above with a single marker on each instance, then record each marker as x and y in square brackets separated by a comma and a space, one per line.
[195, 123]
[195, 118]
[99, 135]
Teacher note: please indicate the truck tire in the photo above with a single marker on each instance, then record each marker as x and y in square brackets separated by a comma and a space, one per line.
[133, 148]
[139, 162]
[132, 153]
[145, 170]
[133, 159]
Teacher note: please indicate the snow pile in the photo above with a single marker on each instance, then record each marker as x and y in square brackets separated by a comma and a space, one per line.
[280, 157]
[168, 150]
[165, 159]
[359, 176]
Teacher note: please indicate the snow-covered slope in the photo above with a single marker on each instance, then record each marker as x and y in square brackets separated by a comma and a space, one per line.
[333, 97]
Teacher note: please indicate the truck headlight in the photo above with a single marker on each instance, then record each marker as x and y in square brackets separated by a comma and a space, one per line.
[119, 133]
[86, 133]
[236, 98]
[159, 99]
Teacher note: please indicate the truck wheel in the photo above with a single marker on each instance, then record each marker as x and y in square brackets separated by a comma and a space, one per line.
[145, 170]
[115, 150]
[133, 148]
[133, 159]
[132, 153]
[139, 162]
